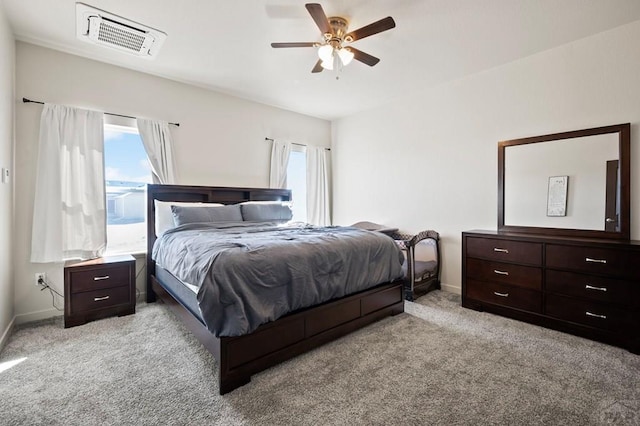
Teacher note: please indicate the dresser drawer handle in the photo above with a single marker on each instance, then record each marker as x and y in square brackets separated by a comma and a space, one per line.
[501, 272]
[590, 287]
[589, 314]
[588, 259]
[106, 277]
[97, 299]
[501, 250]
[501, 294]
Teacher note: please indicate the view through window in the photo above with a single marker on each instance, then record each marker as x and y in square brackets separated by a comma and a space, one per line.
[297, 182]
[127, 171]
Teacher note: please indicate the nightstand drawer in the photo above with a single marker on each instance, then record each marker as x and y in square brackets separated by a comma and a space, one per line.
[505, 273]
[505, 295]
[100, 299]
[505, 250]
[95, 279]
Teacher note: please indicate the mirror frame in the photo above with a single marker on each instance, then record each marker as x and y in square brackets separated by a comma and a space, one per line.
[623, 131]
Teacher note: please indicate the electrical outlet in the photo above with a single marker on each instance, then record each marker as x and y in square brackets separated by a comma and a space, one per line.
[40, 276]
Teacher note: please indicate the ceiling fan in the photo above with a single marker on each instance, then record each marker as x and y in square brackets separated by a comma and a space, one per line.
[331, 51]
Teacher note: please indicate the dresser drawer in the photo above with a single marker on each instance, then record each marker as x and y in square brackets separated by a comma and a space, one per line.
[505, 273]
[100, 299]
[103, 277]
[616, 263]
[593, 314]
[504, 295]
[505, 250]
[592, 287]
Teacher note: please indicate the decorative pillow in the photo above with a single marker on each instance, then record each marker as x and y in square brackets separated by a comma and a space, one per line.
[164, 216]
[183, 215]
[266, 211]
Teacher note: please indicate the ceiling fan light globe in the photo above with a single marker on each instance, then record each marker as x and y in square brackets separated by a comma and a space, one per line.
[327, 65]
[326, 53]
[346, 56]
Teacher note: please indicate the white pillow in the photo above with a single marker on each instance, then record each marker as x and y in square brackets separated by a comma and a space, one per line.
[164, 216]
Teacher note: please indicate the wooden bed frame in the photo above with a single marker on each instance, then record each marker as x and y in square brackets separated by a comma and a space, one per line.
[272, 343]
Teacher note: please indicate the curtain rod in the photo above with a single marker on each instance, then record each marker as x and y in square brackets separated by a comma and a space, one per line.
[293, 143]
[25, 100]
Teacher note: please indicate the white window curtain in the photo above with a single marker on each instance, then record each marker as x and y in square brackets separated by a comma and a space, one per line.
[279, 160]
[157, 141]
[317, 186]
[69, 217]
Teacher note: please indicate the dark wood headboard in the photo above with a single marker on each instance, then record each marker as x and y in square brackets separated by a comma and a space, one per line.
[205, 194]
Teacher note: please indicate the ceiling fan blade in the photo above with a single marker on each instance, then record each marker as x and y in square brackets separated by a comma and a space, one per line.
[371, 29]
[318, 15]
[317, 67]
[296, 44]
[365, 58]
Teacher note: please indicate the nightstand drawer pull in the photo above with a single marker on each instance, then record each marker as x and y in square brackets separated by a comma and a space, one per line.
[106, 277]
[500, 272]
[501, 294]
[97, 299]
[589, 314]
[590, 287]
[588, 259]
[501, 250]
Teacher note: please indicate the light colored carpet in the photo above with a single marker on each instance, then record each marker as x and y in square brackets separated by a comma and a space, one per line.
[436, 364]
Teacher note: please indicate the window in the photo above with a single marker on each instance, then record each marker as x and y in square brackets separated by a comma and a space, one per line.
[127, 171]
[297, 182]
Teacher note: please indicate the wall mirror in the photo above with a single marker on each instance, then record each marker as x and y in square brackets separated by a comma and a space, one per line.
[572, 184]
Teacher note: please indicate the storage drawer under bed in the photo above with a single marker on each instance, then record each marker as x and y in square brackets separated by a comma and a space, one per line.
[303, 325]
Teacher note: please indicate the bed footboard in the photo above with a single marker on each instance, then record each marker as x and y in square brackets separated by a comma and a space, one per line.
[240, 357]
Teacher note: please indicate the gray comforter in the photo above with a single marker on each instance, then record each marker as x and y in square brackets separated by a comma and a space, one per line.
[250, 274]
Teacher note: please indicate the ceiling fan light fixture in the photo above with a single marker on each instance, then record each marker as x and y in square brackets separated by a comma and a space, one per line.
[335, 32]
[325, 53]
[327, 65]
[346, 56]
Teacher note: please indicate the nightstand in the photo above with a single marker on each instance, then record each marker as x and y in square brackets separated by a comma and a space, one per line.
[99, 288]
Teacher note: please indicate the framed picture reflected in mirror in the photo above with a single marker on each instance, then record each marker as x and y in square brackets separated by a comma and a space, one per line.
[557, 196]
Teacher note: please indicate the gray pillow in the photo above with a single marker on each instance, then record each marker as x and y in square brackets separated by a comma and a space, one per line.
[183, 215]
[266, 211]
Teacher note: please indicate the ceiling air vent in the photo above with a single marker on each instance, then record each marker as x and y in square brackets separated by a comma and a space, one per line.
[106, 29]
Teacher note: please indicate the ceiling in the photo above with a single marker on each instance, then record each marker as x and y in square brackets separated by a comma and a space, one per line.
[224, 45]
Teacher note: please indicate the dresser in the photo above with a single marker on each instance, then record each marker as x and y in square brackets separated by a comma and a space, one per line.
[587, 287]
[99, 288]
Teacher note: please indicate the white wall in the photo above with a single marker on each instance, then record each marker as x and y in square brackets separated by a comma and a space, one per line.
[220, 141]
[429, 160]
[7, 63]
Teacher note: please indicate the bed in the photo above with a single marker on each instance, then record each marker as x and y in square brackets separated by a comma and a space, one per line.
[240, 356]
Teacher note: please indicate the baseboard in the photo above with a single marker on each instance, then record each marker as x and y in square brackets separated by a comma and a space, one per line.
[37, 316]
[451, 288]
[7, 333]
[49, 313]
